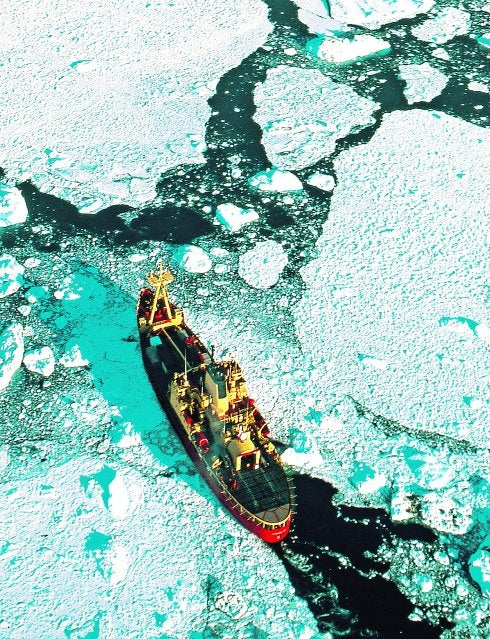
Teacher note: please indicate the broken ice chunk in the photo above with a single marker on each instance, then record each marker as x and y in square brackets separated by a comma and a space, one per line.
[275, 180]
[347, 49]
[233, 217]
[83, 66]
[479, 566]
[447, 24]
[13, 208]
[321, 181]
[10, 275]
[261, 266]
[40, 360]
[11, 352]
[72, 357]
[375, 13]
[193, 259]
[478, 86]
[484, 40]
[424, 83]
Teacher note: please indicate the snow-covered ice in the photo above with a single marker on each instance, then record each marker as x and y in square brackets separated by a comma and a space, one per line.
[321, 181]
[275, 180]
[303, 113]
[315, 15]
[13, 207]
[479, 566]
[404, 287]
[233, 217]
[11, 353]
[375, 13]
[424, 83]
[193, 259]
[478, 86]
[347, 48]
[105, 116]
[448, 23]
[73, 356]
[40, 360]
[11, 273]
[262, 265]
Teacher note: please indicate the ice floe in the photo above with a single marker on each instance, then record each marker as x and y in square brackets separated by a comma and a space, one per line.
[11, 353]
[478, 86]
[446, 25]
[40, 360]
[375, 13]
[479, 566]
[103, 118]
[73, 357]
[484, 40]
[262, 265]
[163, 568]
[11, 273]
[193, 259]
[275, 180]
[13, 207]
[302, 114]
[404, 252]
[424, 83]
[233, 217]
[321, 181]
[315, 15]
[347, 48]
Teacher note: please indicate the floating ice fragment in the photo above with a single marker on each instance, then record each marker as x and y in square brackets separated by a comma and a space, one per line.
[479, 566]
[440, 53]
[234, 217]
[13, 208]
[262, 265]
[375, 13]
[478, 86]
[10, 275]
[448, 23]
[11, 353]
[72, 357]
[32, 262]
[347, 49]
[424, 83]
[193, 259]
[120, 564]
[83, 66]
[275, 180]
[321, 181]
[316, 17]
[484, 40]
[303, 113]
[40, 360]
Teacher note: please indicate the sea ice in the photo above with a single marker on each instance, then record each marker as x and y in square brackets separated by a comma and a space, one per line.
[233, 217]
[106, 116]
[424, 83]
[13, 207]
[10, 275]
[40, 360]
[398, 242]
[275, 180]
[484, 40]
[478, 86]
[303, 113]
[11, 352]
[193, 259]
[72, 357]
[262, 265]
[446, 25]
[321, 181]
[479, 566]
[315, 15]
[375, 13]
[347, 48]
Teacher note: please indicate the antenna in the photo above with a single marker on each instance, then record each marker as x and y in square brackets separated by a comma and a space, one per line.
[185, 363]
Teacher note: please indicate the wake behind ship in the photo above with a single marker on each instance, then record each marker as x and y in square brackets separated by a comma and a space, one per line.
[208, 404]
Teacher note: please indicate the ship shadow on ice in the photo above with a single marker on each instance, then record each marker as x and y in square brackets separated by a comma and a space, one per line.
[332, 561]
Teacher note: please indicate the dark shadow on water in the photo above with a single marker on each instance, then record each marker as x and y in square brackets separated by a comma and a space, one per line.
[331, 558]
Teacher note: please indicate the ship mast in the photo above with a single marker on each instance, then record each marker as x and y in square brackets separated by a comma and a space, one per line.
[160, 280]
